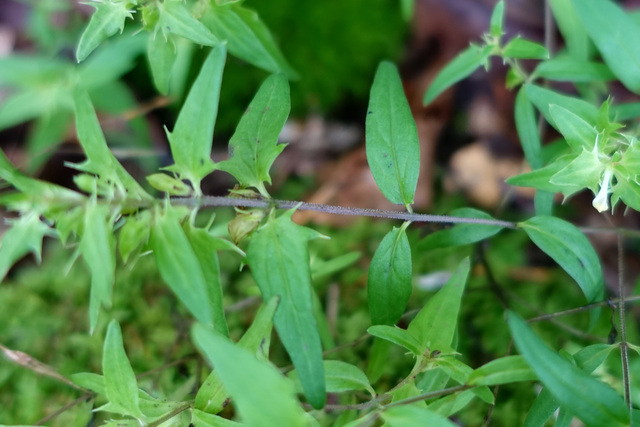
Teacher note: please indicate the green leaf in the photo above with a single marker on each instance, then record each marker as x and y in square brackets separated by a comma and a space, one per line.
[97, 247]
[573, 33]
[205, 248]
[542, 98]
[389, 282]
[134, 234]
[435, 325]
[121, 387]
[247, 37]
[509, 369]
[378, 358]
[258, 336]
[461, 372]
[262, 396]
[611, 29]
[203, 419]
[520, 48]
[40, 191]
[578, 133]
[100, 161]
[583, 171]
[461, 234]
[567, 69]
[591, 357]
[397, 336]
[497, 20]
[393, 151]
[542, 409]
[254, 145]
[279, 261]
[460, 68]
[527, 127]
[541, 178]
[340, 377]
[414, 416]
[212, 396]
[192, 136]
[167, 184]
[162, 53]
[90, 381]
[449, 405]
[107, 19]
[626, 111]
[566, 244]
[592, 401]
[179, 265]
[24, 236]
[114, 58]
[175, 18]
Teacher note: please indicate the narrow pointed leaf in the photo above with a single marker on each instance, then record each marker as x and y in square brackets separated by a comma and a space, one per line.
[247, 37]
[262, 396]
[24, 236]
[100, 160]
[566, 69]
[460, 68]
[121, 387]
[254, 145]
[38, 190]
[393, 151]
[592, 401]
[524, 49]
[435, 325]
[578, 133]
[611, 29]
[414, 416]
[179, 266]
[497, 20]
[162, 54]
[285, 272]
[134, 234]
[340, 377]
[175, 18]
[389, 282]
[107, 19]
[542, 98]
[204, 246]
[527, 127]
[570, 248]
[97, 247]
[192, 136]
[203, 419]
[504, 370]
[212, 396]
[397, 336]
[461, 234]
[573, 33]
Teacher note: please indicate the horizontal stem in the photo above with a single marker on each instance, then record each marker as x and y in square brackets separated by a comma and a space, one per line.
[212, 201]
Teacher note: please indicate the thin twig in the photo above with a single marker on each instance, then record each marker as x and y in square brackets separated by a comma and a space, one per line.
[582, 308]
[624, 350]
[65, 408]
[213, 201]
[170, 415]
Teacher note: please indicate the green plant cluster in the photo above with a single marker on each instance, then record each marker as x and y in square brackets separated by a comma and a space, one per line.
[111, 220]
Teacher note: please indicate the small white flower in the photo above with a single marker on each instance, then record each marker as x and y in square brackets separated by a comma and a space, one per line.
[601, 201]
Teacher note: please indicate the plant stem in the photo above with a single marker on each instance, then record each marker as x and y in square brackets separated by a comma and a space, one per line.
[212, 201]
[170, 415]
[624, 350]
